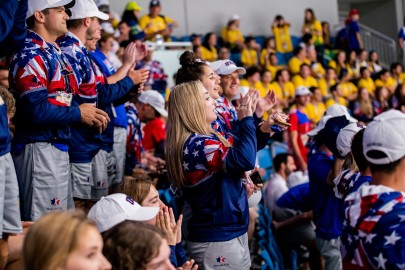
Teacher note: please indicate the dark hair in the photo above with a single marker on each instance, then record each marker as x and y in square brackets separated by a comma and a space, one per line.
[357, 150]
[362, 69]
[304, 65]
[312, 89]
[279, 73]
[191, 69]
[385, 168]
[30, 22]
[310, 10]
[279, 17]
[280, 159]
[306, 38]
[382, 72]
[132, 245]
[298, 50]
[206, 38]
[333, 88]
[394, 66]
[129, 17]
[251, 71]
[343, 72]
[74, 24]
[249, 39]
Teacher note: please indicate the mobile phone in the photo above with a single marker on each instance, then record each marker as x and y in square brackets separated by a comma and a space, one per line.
[256, 178]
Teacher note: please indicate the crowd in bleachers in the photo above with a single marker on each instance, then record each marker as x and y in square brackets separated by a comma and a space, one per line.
[103, 165]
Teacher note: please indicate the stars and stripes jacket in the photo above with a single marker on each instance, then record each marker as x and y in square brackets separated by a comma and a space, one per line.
[86, 142]
[214, 186]
[374, 229]
[38, 74]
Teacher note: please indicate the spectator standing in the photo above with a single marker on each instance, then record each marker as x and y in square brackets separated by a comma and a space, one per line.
[313, 26]
[281, 31]
[45, 83]
[155, 23]
[300, 125]
[353, 31]
[232, 36]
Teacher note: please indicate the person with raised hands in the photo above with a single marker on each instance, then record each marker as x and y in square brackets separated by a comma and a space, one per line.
[84, 31]
[208, 167]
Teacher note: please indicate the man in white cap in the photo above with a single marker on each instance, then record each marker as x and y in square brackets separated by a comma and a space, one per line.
[374, 219]
[45, 83]
[300, 125]
[84, 28]
[151, 109]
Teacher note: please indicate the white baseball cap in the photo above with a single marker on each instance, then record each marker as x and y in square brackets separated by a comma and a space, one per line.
[226, 67]
[234, 17]
[302, 91]
[116, 208]
[87, 9]
[386, 134]
[320, 126]
[38, 5]
[154, 99]
[345, 137]
[339, 110]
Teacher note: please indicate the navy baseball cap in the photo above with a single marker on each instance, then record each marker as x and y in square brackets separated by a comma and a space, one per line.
[330, 132]
[154, 3]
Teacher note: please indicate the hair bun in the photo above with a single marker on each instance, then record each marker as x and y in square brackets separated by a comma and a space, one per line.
[187, 59]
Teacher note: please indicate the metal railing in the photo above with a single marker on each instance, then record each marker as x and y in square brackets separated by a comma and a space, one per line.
[385, 46]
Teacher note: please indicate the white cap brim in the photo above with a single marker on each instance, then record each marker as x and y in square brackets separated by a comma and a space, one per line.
[144, 213]
[161, 111]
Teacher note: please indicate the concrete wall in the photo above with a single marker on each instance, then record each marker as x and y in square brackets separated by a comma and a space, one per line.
[201, 16]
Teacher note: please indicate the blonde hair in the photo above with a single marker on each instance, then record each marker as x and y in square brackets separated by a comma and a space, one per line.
[51, 239]
[187, 115]
[136, 186]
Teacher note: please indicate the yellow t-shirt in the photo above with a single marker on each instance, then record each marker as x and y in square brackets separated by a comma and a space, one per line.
[263, 55]
[331, 101]
[315, 111]
[348, 89]
[152, 25]
[388, 84]
[318, 69]
[337, 68]
[231, 36]
[273, 69]
[316, 26]
[368, 84]
[208, 55]
[294, 65]
[308, 81]
[249, 57]
[401, 78]
[283, 93]
[283, 39]
[258, 86]
[324, 86]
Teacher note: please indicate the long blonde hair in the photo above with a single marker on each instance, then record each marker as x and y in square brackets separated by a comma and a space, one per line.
[187, 115]
[51, 240]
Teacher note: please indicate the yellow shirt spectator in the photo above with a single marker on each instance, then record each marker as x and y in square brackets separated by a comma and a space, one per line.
[324, 86]
[258, 85]
[315, 111]
[337, 68]
[249, 57]
[390, 83]
[265, 52]
[231, 36]
[316, 26]
[285, 92]
[308, 81]
[331, 101]
[273, 69]
[349, 90]
[317, 70]
[368, 84]
[152, 25]
[283, 38]
[209, 55]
